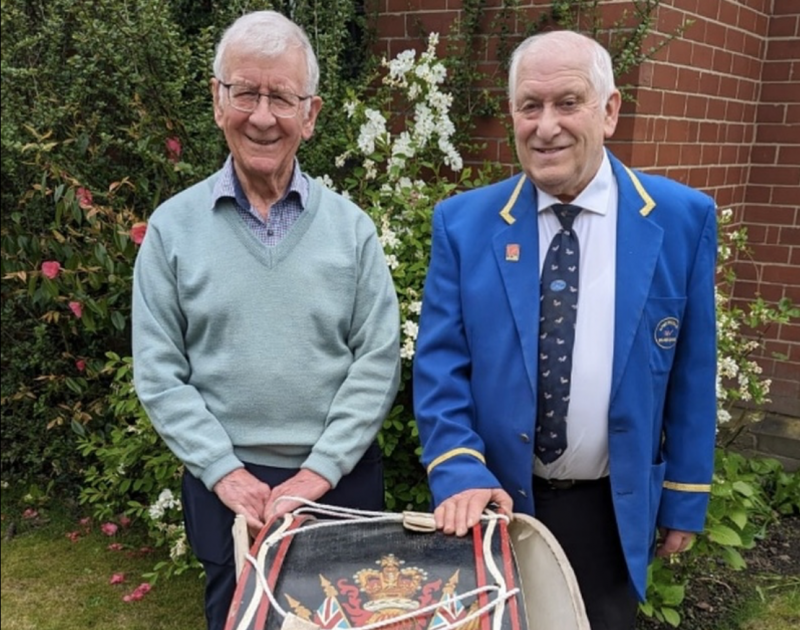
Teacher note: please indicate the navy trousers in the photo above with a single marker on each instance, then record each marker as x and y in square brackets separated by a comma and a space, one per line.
[582, 520]
[208, 522]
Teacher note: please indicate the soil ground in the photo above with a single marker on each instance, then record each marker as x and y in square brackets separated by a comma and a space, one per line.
[713, 600]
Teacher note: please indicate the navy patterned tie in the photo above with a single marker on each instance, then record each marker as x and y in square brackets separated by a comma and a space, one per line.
[558, 311]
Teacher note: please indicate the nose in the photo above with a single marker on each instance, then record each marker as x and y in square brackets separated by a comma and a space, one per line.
[548, 125]
[262, 113]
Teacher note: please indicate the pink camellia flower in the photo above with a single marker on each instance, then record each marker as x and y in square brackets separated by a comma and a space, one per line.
[74, 536]
[137, 232]
[84, 198]
[124, 521]
[117, 578]
[109, 529]
[76, 308]
[51, 269]
[30, 513]
[80, 365]
[173, 149]
[115, 547]
[138, 593]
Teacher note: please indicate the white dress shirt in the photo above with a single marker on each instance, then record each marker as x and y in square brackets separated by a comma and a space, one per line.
[586, 456]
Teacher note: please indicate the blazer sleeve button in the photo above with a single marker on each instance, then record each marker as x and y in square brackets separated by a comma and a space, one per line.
[525, 437]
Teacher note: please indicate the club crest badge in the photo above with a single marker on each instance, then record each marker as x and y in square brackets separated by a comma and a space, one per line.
[666, 333]
[512, 252]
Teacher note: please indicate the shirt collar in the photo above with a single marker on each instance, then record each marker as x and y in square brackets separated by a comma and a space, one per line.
[227, 185]
[595, 197]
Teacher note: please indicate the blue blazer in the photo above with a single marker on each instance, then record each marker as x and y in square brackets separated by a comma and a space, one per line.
[475, 368]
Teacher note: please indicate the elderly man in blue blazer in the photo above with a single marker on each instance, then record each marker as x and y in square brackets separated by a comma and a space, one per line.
[622, 469]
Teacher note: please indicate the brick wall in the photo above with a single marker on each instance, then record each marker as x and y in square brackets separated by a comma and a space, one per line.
[718, 109]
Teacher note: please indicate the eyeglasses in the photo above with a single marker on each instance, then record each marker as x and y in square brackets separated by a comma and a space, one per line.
[246, 98]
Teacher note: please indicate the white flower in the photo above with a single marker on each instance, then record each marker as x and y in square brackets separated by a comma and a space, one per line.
[391, 261]
[326, 181]
[723, 416]
[410, 329]
[415, 307]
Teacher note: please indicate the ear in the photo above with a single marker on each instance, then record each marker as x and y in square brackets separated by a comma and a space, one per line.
[612, 113]
[310, 119]
[217, 99]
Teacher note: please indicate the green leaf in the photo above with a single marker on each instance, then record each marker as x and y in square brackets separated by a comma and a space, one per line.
[118, 319]
[671, 617]
[733, 558]
[723, 535]
[742, 487]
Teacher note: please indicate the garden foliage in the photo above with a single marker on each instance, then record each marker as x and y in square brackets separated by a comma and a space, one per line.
[107, 113]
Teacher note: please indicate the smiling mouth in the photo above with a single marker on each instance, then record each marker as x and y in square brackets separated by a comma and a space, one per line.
[263, 143]
[551, 151]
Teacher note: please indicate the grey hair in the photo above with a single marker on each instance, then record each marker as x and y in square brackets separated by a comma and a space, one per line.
[601, 70]
[266, 34]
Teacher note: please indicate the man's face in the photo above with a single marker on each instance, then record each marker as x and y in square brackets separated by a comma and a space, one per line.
[264, 146]
[560, 124]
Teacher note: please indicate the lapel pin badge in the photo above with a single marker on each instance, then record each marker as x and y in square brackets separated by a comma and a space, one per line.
[512, 252]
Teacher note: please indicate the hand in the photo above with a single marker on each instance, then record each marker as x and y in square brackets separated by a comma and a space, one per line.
[457, 514]
[244, 494]
[306, 484]
[673, 541]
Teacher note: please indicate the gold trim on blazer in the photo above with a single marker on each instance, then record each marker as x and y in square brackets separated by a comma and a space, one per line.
[506, 211]
[687, 487]
[453, 453]
[649, 204]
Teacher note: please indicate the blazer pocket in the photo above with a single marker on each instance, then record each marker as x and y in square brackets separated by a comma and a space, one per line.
[664, 318]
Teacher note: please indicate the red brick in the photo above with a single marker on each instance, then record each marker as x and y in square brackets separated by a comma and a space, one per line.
[774, 133]
[774, 254]
[783, 26]
[665, 77]
[792, 114]
[674, 104]
[785, 195]
[776, 71]
[764, 154]
[727, 12]
[715, 33]
[781, 275]
[776, 174]
[789, 155]
[698, 178]
[650, 102]
[679, 52]
[790, 235]
[771, 215]
[771, 113]
[690, 154]
[728, 87]
[780, 93]
[782, 49]
[688, 80]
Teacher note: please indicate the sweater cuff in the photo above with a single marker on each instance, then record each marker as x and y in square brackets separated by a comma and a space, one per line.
[323, 467]
[217, 470]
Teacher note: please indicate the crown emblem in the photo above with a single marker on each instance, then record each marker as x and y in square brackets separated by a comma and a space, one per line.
[392, 586]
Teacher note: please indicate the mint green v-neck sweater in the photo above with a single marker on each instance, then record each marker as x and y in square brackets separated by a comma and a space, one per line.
[284, 356]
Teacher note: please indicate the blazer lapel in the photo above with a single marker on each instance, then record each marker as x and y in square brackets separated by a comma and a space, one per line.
[638, 247]
[516, 250]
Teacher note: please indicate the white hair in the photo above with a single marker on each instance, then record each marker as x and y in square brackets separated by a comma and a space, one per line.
[266, 34]
[601, 70]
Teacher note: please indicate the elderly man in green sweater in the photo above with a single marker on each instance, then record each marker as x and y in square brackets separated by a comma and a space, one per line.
[265, 320]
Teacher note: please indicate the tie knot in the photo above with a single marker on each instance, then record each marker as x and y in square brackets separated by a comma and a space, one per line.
[566, 213]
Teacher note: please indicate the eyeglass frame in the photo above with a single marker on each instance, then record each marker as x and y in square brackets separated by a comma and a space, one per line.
[267, 95]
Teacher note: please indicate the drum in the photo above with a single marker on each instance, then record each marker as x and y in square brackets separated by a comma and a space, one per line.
[328, 568]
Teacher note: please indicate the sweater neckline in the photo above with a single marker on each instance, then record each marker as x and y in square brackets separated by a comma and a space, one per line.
[270, 256]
